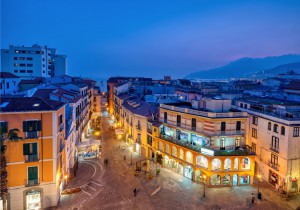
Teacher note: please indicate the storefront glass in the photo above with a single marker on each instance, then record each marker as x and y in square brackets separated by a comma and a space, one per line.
[245, 179]
[226, 180]
[33, 200]
[199, 140]
[216, 165]
[246, 163]
[188, 172]
[202, 161]
[215, 180]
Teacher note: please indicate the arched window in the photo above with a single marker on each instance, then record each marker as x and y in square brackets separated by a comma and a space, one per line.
[236, 164]
[181, 154]
[282, 130]
[160, 146]
[174, 151]
[269, 126]
[167, 149]
[216, 164]
[189, 157]
[246, 163]
[275, 128]
[202, 161]
[227, 164]
[215, 179]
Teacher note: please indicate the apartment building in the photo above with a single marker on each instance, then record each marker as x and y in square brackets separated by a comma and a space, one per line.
[9, 83]
[273, 133]
[34, 61]
[204, 141]
[36, 161]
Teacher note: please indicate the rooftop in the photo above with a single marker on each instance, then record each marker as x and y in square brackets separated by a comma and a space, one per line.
[139, 107]
[7, 75]
[32, 104]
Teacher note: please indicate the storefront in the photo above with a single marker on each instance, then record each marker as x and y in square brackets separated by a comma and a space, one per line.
[173, 165]
[33, 199]
[188, 172]
[273, 178]
[137, 148]
[89, 149]
[198, 140]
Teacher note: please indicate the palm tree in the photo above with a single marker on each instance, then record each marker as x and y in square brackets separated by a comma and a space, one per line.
[3, 172]
[13, 136]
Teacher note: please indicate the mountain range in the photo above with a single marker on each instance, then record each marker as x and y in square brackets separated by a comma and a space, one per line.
[251, 67]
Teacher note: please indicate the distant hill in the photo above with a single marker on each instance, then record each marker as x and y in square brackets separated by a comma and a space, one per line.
[284, 68]
[245, 67]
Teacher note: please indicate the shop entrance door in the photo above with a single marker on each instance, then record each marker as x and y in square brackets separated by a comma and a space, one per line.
[188, 172]
[234, 180]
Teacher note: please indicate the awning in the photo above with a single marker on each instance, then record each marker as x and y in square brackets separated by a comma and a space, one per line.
[89, 143]
[119, 131]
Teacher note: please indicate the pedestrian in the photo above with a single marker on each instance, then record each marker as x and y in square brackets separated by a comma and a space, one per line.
[253, 198]
[124, 157]
[134, 192]
[106, 162]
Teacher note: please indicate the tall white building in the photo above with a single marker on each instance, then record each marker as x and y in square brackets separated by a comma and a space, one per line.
[34, 61]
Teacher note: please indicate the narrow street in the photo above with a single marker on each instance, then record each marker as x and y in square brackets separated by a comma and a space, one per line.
[111, 187]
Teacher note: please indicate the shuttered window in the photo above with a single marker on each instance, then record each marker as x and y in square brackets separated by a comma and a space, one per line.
[33, 173]
[30, 149]
[34, 125]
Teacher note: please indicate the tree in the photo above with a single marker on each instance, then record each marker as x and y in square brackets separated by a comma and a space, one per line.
[3, 172]
[13, 134]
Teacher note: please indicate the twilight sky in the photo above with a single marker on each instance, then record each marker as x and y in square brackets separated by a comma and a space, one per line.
[105, 38]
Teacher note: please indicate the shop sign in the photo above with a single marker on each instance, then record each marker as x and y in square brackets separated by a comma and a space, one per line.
[207, 151]
[33, 200]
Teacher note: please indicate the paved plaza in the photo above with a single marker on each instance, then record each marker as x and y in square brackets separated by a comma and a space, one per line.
[111, 187]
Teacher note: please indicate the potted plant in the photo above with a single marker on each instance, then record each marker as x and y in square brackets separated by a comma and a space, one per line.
[157, 171]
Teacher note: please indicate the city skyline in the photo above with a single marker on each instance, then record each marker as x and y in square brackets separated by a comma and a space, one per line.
[153, 39]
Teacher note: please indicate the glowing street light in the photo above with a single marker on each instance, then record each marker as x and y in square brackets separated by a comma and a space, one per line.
[131, 151]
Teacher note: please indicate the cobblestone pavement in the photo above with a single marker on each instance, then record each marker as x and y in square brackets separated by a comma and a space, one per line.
[111, 187]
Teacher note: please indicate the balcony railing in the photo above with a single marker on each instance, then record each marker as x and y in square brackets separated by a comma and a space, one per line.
[274, 165]
[274, 148]
[32, 135]
[31, 158]
[238, 152]
[32, 182]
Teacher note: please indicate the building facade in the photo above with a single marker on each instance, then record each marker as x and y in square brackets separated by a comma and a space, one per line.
[34, 61]
[273, 132]
[35, 162]
[9, 83]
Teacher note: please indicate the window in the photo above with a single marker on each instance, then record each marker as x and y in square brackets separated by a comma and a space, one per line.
[7, 85]
[22, 71]
[165, 117]
[269, 126]
[238, 125]
[194, 124]
[178, 120]
[16, 51]
[29, 65]
[15, 64]
[29, 71]
[29, 126]
[30, 149]
[3, 126]
[29, 58]
[149, 140]
[254, 120]
[15, 71]
[241, 105]
[254, 133]
[246, 106]
[282, 132]
[275, 143]
[22, 58]
[222, 143]
[253, 147]
[274, 159]
[60, 119]
[275, 128]
[15, 58]
[32, 174]
[22, 64]
[223, 126]
[237, 142]
[296, 132]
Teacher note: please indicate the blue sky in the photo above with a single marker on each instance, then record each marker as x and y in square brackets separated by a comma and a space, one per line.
[152, 38]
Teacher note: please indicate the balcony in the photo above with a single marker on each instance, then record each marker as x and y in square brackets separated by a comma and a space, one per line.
[274, 148]
[273, 165]
[32, 135]
[32, 182]
[238, 152]
[61, 127]
[31, 158]
[138, 127]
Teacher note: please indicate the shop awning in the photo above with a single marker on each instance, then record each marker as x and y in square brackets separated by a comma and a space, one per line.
[119, 131]
[89, 143]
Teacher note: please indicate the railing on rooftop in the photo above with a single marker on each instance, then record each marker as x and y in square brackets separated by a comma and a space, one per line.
[204, 113]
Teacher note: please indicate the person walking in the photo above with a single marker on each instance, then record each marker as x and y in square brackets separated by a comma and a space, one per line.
[253, 198]
[134, 192]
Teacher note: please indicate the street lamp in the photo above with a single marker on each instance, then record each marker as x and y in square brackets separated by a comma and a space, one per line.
[204, 183]
[131, 150]
[259, 180]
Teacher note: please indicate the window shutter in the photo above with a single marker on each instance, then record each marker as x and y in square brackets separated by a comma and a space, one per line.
[3, 126]
[34, 148]
[39, 125]
[25, 149]
[33, 173]
[25, 126]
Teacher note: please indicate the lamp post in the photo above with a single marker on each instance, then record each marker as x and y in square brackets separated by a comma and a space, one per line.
[131, 155]
[204, 183]
[259, 180]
